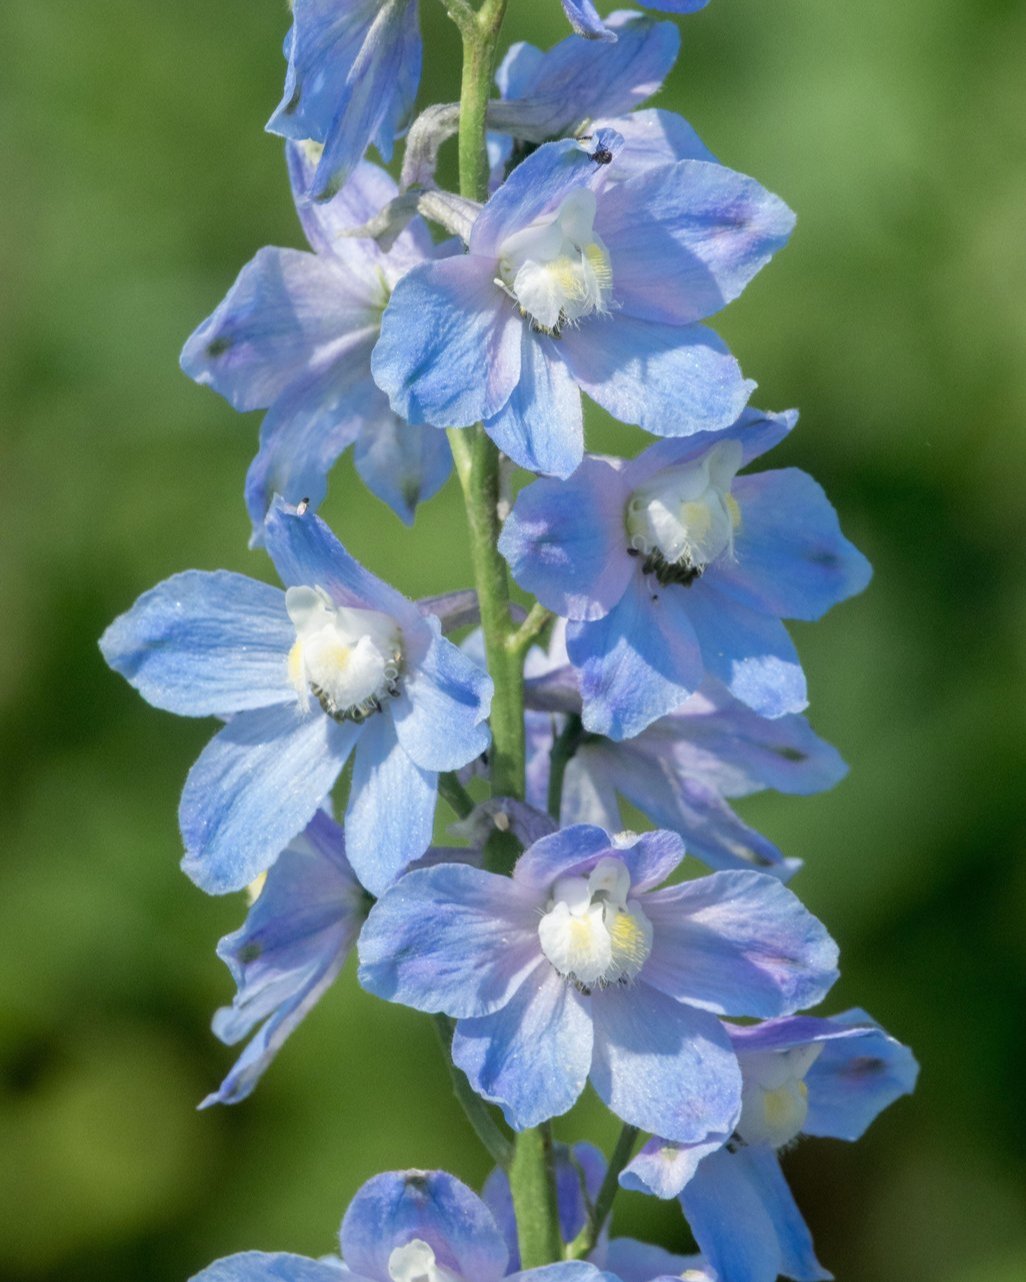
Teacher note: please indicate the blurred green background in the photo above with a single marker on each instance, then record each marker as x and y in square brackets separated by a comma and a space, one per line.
[138, 182]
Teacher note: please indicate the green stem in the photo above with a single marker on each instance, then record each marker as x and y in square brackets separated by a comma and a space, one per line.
[531, 628]
[479, 1115]
[451, 790]
[584, 1243]
[533, 1183]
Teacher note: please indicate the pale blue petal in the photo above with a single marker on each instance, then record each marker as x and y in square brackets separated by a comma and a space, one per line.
[663, 1168]
[395, 1208]
[632, 1261]
[755, 430]
[738, 943]
[203, 644]
[638, 663]
[258, 1266]
[440, 716]
[532, 1056]
[402, 465]
[255, 786]
[671, 380]
[452, 939]
[790, 557]
[663, 1066]
[652, 138]
[568, 1271]
[391, 810]
[541, 426]
[565, 541]
[585, 20]
[449, 351]
[649, 858]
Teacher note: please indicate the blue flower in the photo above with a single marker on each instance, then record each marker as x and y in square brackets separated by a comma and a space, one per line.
[406, 1226]
[673, 569]
[585, 19]
[353, 74]
[303, 922]
[827, 1077]
[680, 770]
[577, 967]
[294, 335]
[574, 282]
[337, 664]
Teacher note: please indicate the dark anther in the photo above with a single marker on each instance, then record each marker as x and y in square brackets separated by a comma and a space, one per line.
[665, 572]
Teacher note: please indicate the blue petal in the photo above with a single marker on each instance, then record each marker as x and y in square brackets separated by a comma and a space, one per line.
[633, 1261]
[532, 1056]
[565, 541]
[855, 1079]
[449, 351]
[402, 465]
[258, 1266]
[663, 1066]
[568, 1271]
[287, 314]
[790, 557]
[676, 6]
[684, 239]
[663, 1168]
[289, 950]
[755, 430]
[749, 651]
[391, 810]
[652, 138]
[452, 939]
[671, 380]
[585, 20]
[574, 851]
[738, 943]
[541, 426]
[638, 663]
[204, 644]
[440, 715]
[745, 1220]
[254, 787]
[395, 1208]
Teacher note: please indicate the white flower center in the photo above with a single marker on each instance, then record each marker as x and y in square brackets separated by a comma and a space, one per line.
[774, 1097]
[558, 270]
[591, 932]
[347, 659]
[415, 1262]
[685, 517]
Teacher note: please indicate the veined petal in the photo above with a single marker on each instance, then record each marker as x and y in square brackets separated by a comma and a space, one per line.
[738, 943]
[755, 431]
[205, 644]
[662, 1168]
[541, 426]
[440, 715]
[663, 1066]
[393, 1209]
[652, 138]
[449, 351]
[532, 1056]
[255, 785]
[452, 939]
[401, 464]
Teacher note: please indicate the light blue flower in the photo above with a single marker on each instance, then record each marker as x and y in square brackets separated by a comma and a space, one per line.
[572, 282]
[303, 922]
[578, 968]
[586, 20]
[294, 336]
[406, 1226]
[353, 74]
[679, 771]
[802, 1076]
[339, 664]
[673, 569]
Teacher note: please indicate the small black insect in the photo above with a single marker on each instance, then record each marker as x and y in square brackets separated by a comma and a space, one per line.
[602, 156]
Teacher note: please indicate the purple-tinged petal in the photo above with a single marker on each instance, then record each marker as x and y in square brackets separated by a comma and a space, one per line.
[401, 465]
[746, 1221]
[652, 138]
[541, 426]
[705, 233]
[306, 553]
[288, 312]
[450, 939]
[632, 1261]
[750, 652]
[671, 380]
[259, 1266]
[568, 1271]
[574, 851]
[855, 1079]
[440, 716]
[663, 1168]
[449, 351]
[453, 610]
[532, 1056]
[663, 1066]
[738, 943]
[203, 644]
[790, 557]
[393, 1209]
[791, 1031]
[638, 663]
[565, 541]
[756, 431]
[504, 814]
[584, 18]
[257, 784]
[391, 810]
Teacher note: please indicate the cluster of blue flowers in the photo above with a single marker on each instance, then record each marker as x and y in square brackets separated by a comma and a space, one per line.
[668, 679]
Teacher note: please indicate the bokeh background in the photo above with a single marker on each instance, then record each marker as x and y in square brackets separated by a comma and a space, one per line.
[138, 181]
